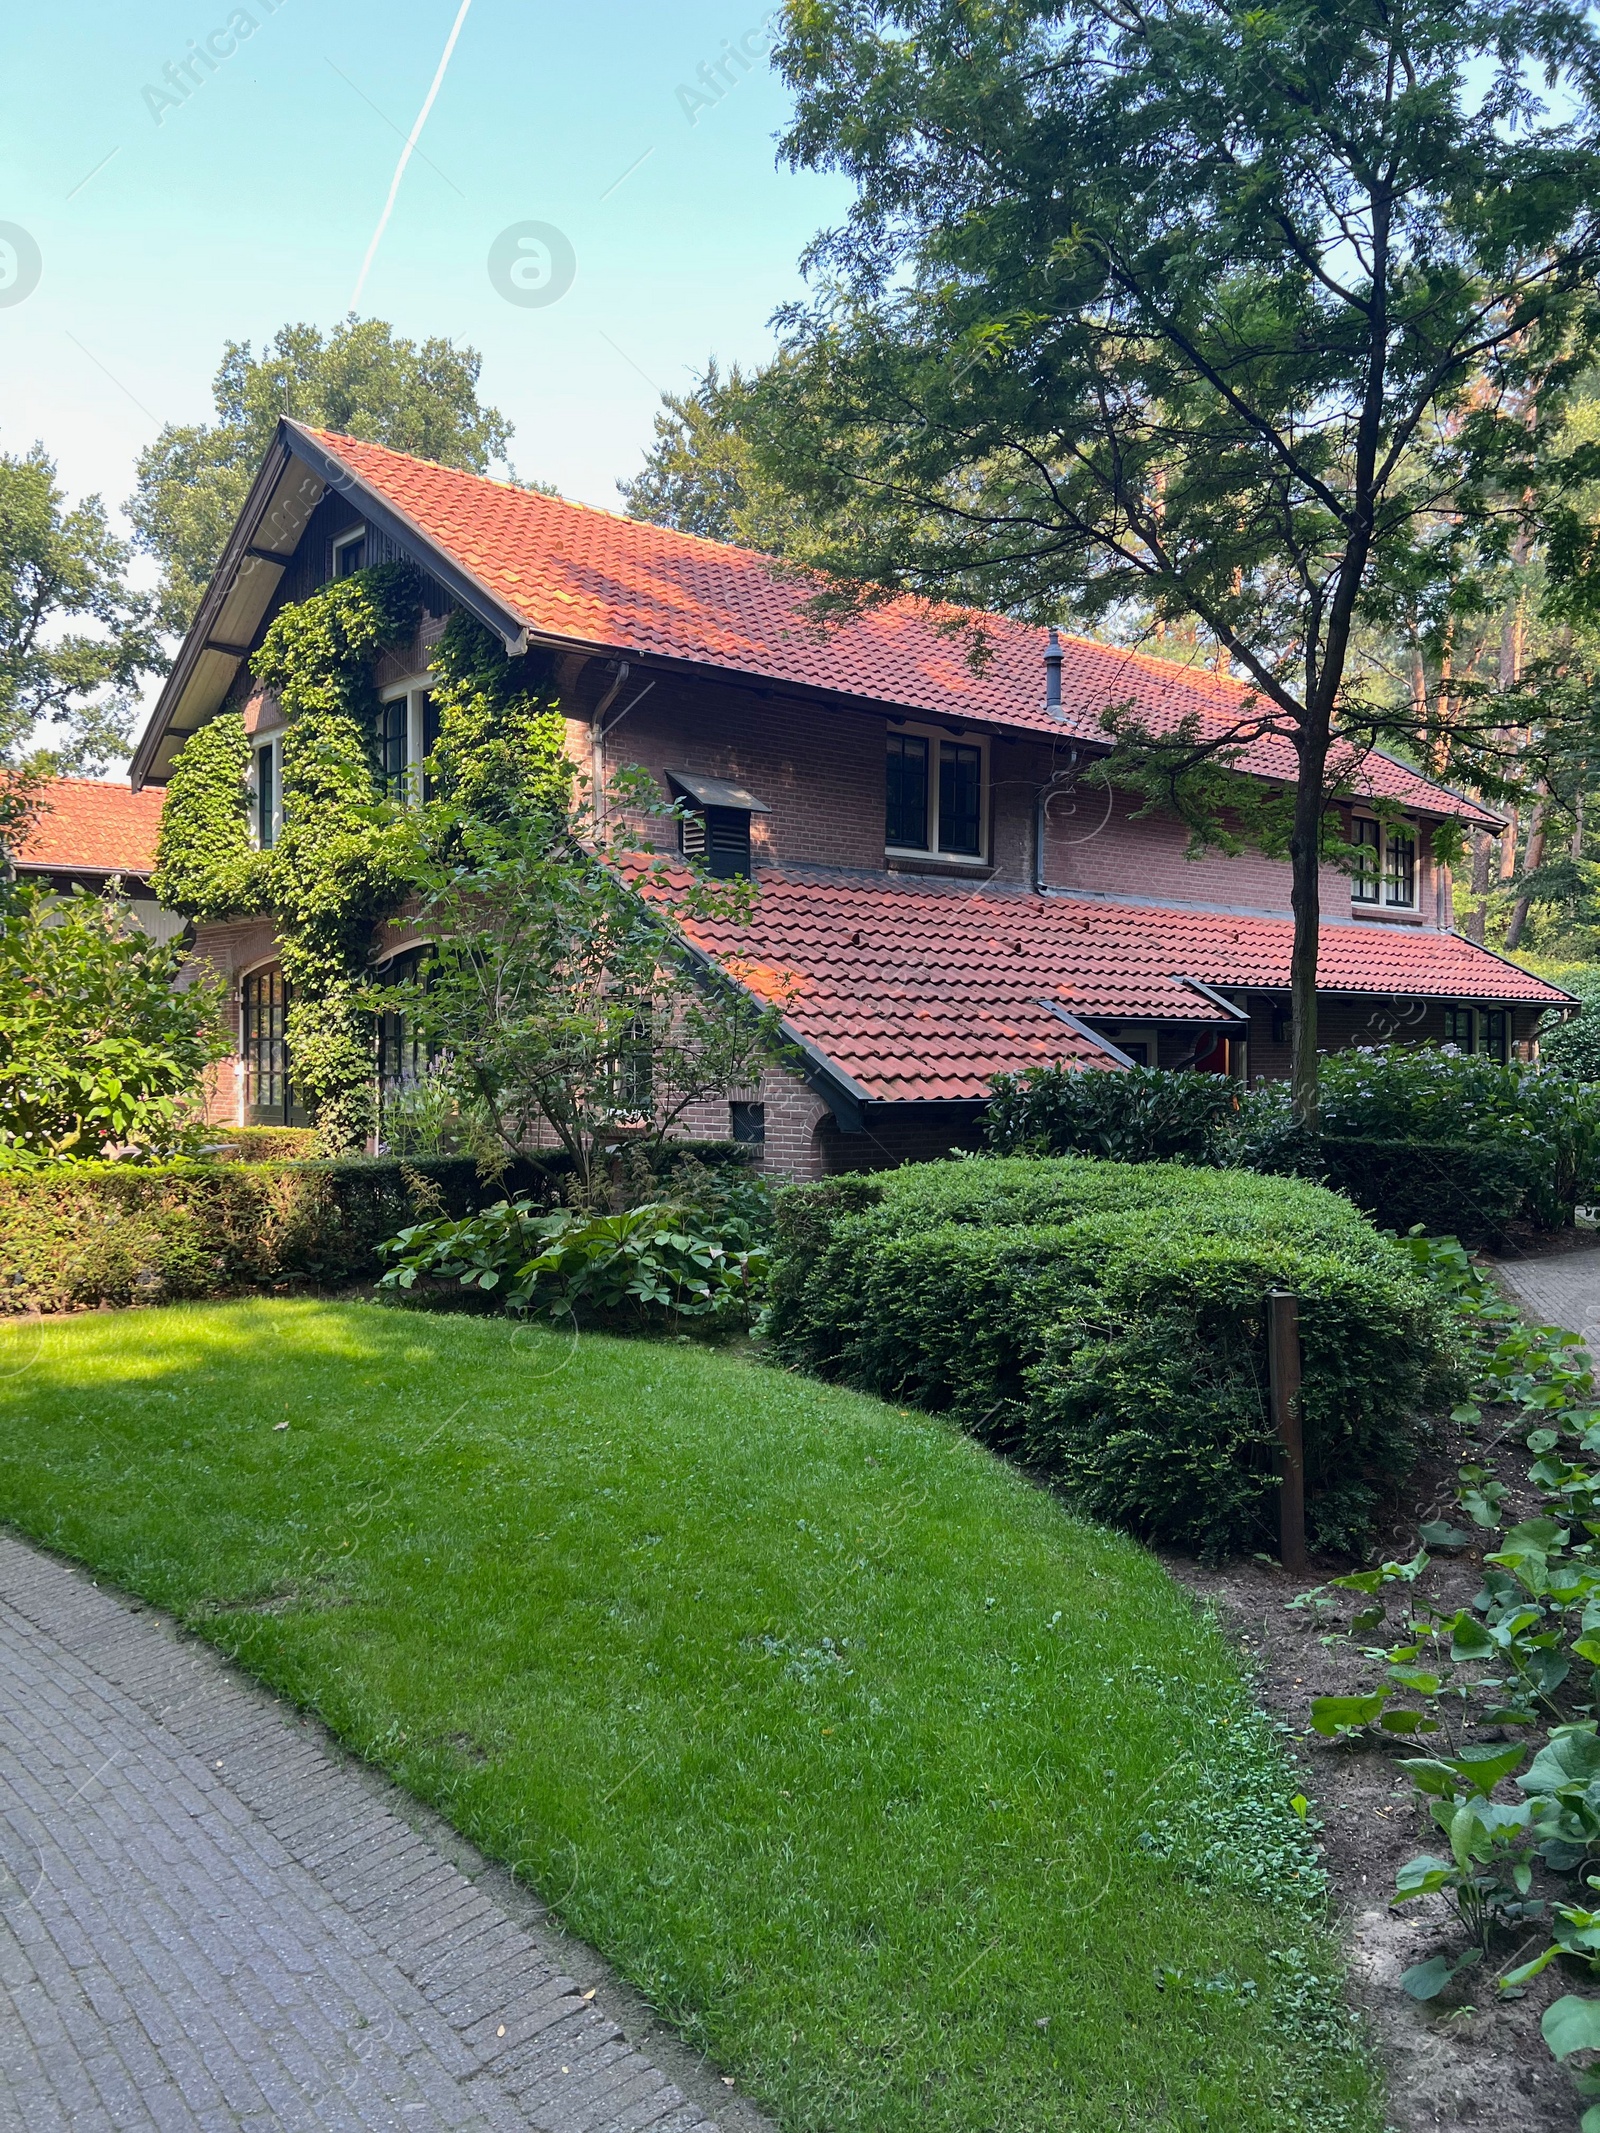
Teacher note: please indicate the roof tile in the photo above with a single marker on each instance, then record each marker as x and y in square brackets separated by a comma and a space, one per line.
[95, 826]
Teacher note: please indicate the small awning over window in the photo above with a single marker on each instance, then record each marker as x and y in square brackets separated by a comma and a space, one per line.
[718, 792]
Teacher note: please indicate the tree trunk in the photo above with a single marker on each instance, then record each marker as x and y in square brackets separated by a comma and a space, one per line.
[1532, 861]
[1576, 847]
[1305, 859]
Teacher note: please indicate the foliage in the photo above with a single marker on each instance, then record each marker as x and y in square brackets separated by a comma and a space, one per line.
[1105, 1322]
[1190, 317]
[1573, 1048]
[501, 753]
[205, 866]
[60, 570]
[265, 1144]
[661, 1258]
[80, 1234]
[559, 998]
[1144, 1115]
[701, 474]
[101, 1047]
[898, 1791]
[362, 380]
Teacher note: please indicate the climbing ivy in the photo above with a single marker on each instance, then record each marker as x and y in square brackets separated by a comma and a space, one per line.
[346, 858]
[500, 753]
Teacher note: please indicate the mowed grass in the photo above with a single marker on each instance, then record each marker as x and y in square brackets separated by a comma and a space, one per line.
[911, 1800]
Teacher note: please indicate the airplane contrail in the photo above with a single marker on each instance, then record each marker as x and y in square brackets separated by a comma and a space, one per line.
[412, 139]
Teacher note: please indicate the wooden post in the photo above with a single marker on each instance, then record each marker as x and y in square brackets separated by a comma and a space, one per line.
[1283, 1353]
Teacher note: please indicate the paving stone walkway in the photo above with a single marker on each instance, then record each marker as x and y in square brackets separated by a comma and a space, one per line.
[1563, 1290]
[209, 1918]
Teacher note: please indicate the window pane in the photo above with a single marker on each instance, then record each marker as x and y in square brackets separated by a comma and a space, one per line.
[266, 1059]
[430, 736]
[392, 723]
[1458, 1027]
[1364, 882]
[1400, 870]
[350, 557]
[908, 791]
[266, 794]
[1496, 1034]
[960, 797]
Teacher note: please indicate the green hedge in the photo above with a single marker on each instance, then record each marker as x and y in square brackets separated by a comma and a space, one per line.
[1103, 1322]
[88, 1233]
[80, 1234]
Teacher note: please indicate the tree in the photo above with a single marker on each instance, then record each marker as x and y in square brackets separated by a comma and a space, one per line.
[61, 567]
[1196, 311]
[101, 1046]
[362, 380]
[557, 1001]
[702, 476]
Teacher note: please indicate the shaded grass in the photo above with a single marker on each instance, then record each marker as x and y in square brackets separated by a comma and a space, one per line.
[894, 1787]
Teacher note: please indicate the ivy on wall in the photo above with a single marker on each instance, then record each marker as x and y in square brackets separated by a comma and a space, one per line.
[345, 857]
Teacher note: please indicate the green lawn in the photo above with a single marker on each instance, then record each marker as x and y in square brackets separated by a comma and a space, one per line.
[894, 1787]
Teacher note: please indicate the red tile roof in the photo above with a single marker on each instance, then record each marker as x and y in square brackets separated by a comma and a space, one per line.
[921, 990]
[573, 572]
[86, 826]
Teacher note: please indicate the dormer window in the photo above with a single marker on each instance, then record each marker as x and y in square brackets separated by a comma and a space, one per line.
[934, 795]
[350, 553]
[714, 822]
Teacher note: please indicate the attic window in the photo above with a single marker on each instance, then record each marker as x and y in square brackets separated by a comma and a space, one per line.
[714, 822]
[350, 553]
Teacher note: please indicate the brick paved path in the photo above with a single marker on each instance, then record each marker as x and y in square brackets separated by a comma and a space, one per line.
[1560, 1291]
[209, 1918]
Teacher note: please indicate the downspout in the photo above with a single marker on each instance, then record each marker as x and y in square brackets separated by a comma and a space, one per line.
[597, 739]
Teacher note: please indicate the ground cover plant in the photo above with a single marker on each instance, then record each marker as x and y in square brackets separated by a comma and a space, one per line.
[913, 1801]
[1103, 1322]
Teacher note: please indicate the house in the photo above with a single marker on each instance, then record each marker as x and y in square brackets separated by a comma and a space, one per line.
[947, 888]
[88, 832]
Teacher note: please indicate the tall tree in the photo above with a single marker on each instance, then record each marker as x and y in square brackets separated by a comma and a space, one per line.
[74, 638]
[1214, 312]
[363, 380]
[701, 475]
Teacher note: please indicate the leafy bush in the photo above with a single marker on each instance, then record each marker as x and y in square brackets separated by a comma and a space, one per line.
[1143, 1115]
[76, 1234]
[1487, 1141]
[1573, 1048]
[262, 1144]
[100, 1046]
[580, 1264]
[701, 1256]
[1104, 1322]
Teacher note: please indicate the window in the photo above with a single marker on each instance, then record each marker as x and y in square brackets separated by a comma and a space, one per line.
[1139, 1054]
[265, 1000]
[350, 554]
[1364, 882]
[1458, 1028]
[749, 1124]
[1400, 870]
[1497, 1034]
[402, 1056]
[934, 795]
[394, 747]
[908, 791]
[267, 817]
[408, 728]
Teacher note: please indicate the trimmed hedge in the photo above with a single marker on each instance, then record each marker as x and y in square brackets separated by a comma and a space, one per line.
[80, 1234]
[1104, 1323]
[88, 1233]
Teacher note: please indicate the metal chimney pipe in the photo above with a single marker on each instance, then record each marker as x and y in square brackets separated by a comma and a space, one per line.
[1052, 675]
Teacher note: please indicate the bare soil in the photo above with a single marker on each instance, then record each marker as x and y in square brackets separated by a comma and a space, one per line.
[1468, 2060]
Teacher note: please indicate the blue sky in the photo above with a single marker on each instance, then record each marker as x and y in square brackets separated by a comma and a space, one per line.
[164, 229]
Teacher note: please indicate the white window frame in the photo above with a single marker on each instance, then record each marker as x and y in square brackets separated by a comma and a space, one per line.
[930, 852]
[1384, 902]
[414, 688]
[274, 748]
[346, 540]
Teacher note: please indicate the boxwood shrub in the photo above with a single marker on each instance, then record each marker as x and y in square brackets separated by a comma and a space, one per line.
[1104, 1323]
